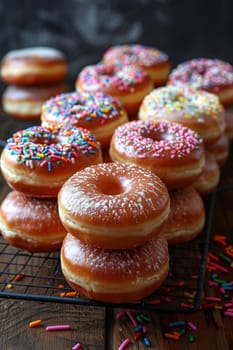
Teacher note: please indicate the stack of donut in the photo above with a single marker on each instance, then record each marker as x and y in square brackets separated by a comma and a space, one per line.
[211, 75]
[175, 153]
[115, 250]
[35, 163]
[34, 75]
[126, 72]
[202, 112]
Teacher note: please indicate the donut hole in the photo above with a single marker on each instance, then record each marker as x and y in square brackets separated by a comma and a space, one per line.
[157, 135]
[112, 185]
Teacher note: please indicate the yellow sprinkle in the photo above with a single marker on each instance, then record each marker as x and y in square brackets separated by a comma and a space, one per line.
[9, 286]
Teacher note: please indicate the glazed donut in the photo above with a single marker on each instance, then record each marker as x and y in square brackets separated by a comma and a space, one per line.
[208, 181]
[221, 149]
[229, 121]
[113, 206]
[199, 110]
[97, 112]
[31, 224]
[115, 276]
[34, 66]
[171, 151]
[212, 75]
[187, 216]
[127, 83]
[25, 102]
[156, 63]
[38, 160]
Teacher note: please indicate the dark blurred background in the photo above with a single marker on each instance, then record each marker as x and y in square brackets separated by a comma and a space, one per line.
[84, 29]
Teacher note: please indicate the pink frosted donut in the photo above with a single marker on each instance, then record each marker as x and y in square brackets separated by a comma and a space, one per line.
[171, 151]
[127, 83]
[212, 75]
[97, 112]
[33, 66]
[155, 62]
[115, 275]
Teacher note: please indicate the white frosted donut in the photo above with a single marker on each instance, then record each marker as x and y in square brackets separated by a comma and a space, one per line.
[114, 205]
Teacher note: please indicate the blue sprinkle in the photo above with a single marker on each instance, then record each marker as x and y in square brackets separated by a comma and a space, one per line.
[147, 342]
[177, 324]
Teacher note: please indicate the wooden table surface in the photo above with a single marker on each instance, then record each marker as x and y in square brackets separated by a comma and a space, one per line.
[97, 327]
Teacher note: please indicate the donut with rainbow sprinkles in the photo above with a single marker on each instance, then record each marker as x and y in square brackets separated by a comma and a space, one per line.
[38, 160]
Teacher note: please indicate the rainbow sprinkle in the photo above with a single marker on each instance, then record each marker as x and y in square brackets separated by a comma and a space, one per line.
[78, 107]
[51, 145]
[101, 75]
[135, 54]
[145, 139]
[203, 73]
[193, 104]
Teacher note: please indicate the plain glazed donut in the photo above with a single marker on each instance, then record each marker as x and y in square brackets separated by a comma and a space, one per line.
[229, 121]
[30, 223]
[25, 102]
[114, 206]
[187, 216]
[97, 112]
[34, 66]
[212, 75]
[220, 149]
[38, 160]
[129, 84]
[208, 181]
[199, 110]
[155, 62]
[170, 150]
[114, 276]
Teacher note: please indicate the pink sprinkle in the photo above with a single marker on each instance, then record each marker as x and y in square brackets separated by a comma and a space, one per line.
[124, 344]
[77, 347]
[213, 299]
[144, 329]
[120, 314]
[132, 319]
[219, 267]
[228, 304]
[62, 327]
[188, 306]
[212, 283]
[221, 290]
[230, 314]
[194, 277]
[192, 326]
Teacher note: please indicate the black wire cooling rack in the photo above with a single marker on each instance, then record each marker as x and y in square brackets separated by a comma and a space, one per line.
[38, 276]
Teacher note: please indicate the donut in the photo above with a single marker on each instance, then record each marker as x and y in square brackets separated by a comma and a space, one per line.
[38, 160]
[198, 110]
[97, 112]
[212, 75]
[221, 149]
[187, 216]
[114, 276]
[208, 181]
[127, 83]
[155, 62]
[170, 150]
[229, 121]
[34, 66]
[113, 206]
[31, 224]
[25, 102]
